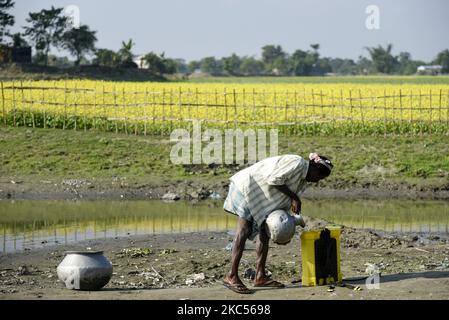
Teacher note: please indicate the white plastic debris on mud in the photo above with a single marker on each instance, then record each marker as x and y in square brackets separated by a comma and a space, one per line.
[194, 278]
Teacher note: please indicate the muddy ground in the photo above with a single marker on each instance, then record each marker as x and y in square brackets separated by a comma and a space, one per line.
[191, 266]
[129, 189]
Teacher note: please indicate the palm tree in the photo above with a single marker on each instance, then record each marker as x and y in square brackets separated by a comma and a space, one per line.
[383, 59]
[315, 46]
[125, 54]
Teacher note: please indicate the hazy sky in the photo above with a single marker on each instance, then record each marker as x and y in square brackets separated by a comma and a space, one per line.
[192, 29]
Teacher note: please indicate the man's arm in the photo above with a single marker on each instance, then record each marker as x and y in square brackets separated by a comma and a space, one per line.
[296, 203]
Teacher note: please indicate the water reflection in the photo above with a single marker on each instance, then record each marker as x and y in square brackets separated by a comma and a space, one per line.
[391, 215]
[30, 224]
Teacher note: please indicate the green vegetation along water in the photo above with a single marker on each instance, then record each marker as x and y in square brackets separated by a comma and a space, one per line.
[42, 159]
[25, 225]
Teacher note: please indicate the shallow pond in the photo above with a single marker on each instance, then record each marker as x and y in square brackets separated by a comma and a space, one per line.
[25, 225]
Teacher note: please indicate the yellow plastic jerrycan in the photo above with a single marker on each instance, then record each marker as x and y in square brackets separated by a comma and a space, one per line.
[320, 251]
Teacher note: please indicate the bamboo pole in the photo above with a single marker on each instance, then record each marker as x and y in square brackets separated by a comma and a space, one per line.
[84, 111]
[361, 108]
[245, 115]
[145, 110]
[313, 112]
[14, 103]
[275, 108]
[124, 110]
[430, 111]
[171, 110]
[235, 108]
[265, 109]
[163, 112]
[32, 111]
[153, 104]
[296, 107]
[75, 104]
[206, 99]
[43, 107]
[341, 104]
[135, 103]
[254, 108]
[115, 108]
[226, 107]
[373, 103]
[352, 118]
[420, 106]
[105, 112]
[322, 104]
[395, 108]
[55, 101]
[3, 104]
[189, 105]
[385, 112]
[95, 118]
[216, 101]
[197, 104]
[180, 103]
[65, 106]
[22, 104]
[447, 110]
[400, 105]
[334, 111]
[304, 108]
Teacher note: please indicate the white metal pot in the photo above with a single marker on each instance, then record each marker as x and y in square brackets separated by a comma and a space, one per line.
[281, 226]
[85, 270]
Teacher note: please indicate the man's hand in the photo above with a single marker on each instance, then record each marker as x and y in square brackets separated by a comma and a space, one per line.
[296, 205]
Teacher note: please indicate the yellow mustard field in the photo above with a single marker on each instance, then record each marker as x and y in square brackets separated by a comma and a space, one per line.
[79, 102]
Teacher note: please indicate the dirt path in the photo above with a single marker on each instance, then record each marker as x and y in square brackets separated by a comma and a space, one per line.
[422, 285]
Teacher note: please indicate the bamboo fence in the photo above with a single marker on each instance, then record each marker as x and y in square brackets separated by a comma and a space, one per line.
[144, 111]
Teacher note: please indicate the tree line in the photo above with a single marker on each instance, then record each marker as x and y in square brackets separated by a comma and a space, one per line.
[50, 28]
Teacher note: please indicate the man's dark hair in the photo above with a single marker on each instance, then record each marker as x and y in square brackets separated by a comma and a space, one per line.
[323, 169]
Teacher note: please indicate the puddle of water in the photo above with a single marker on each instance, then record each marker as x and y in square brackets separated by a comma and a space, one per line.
[30, 224]
[390, 215]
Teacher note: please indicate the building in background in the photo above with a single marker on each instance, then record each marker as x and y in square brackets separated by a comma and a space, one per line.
[15, 54]
[429, 70]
